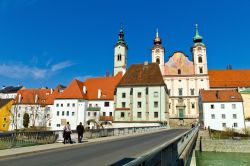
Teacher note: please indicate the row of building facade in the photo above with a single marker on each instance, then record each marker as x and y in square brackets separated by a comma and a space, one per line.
[178, 92]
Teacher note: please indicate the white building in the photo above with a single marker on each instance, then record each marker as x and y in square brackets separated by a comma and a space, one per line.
[37, 103]
[89, 102]
[184, 78]
[221, 109]
[10, 92]
[141, 96]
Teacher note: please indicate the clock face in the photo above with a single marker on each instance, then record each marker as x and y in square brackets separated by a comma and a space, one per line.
[157, 51]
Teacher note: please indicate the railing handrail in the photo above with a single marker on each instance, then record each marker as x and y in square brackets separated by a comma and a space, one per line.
[158, 149]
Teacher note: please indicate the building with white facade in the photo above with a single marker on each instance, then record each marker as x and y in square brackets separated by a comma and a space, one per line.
[141, 96]
[221, 109]
[184, 78]
[37, 103]
[10, 92]
[89, 102]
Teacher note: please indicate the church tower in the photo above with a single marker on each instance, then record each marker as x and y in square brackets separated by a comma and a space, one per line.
[120, 56]
[199, 54]
[158, 51]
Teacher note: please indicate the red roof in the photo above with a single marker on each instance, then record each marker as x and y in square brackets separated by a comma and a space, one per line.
[220, 96]
[229, 78]
[105, 84]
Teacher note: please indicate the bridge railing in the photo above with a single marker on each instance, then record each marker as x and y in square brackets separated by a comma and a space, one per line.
[97, 133]
[168, 153]
[26, 138]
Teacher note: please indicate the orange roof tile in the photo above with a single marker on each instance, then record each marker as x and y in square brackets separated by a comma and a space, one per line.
[28, 96]
[229, 78]
[73, 91]
[105, 84]
[220, 96]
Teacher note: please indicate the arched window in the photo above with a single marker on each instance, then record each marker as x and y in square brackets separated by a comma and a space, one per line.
[179, 71]
[201, 70]
[200, 59]
[119, 57]
[158, 60]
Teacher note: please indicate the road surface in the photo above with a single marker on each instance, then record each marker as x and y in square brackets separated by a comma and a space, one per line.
[114, 152]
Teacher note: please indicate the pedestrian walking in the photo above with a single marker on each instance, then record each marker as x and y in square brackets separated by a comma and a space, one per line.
[80, 131]
[67, 133]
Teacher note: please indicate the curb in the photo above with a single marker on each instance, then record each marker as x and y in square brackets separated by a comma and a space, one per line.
[68, 146]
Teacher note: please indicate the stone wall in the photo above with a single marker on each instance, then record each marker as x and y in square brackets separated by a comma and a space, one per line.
[184, 122]
[224, 145]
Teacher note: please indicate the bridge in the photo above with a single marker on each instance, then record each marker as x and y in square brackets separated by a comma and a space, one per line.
[165, 147]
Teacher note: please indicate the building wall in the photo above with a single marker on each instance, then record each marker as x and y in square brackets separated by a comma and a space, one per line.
[5, 116]
[8, 95]
[75, 110]
[228, 111]
[186, 83]
[147, 108]
[18, 111]
[246, 104]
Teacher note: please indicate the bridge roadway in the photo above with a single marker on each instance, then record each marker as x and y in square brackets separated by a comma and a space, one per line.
[113, 152]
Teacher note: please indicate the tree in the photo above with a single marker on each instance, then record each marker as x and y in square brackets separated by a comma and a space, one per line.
[26, 120]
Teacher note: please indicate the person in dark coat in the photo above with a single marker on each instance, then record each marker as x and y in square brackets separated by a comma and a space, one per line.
[66, 133]
[80, 131]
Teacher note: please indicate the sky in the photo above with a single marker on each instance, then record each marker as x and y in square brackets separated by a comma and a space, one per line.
[51, 42]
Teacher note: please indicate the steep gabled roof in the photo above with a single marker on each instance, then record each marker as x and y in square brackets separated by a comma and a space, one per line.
[105, 84]
[147, 74]
[28, 96]
[220, 96]
[3, 102]
[229, 78]
[11, 89]
[73, 91]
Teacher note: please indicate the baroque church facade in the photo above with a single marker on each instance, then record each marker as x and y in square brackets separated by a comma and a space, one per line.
[183, 77]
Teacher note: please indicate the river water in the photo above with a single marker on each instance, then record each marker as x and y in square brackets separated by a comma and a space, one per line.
[222, 159]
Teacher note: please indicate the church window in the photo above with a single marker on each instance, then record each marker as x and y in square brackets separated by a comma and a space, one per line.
[200, 59]
[119, 57]
[201, 70]
[179, 71]
[193, 105]
[158, 60]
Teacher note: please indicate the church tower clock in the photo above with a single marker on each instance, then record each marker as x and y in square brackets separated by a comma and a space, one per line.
[120, 55]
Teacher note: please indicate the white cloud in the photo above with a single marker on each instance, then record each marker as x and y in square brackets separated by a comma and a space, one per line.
[61, 65]
[24, 71]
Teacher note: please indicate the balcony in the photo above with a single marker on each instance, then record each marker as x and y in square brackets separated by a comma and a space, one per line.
[94, 108]
[122, 109]
[106, 118]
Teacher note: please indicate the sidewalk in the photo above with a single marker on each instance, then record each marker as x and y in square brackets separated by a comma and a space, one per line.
[41, 148]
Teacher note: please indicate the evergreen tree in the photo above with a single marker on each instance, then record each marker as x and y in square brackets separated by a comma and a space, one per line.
[26, 120]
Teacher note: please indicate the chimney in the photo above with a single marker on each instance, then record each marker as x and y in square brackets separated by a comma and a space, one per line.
[84, 89]
[19, 98]
[146, 63]
[99, 94]
[36, 98]
[51, 91]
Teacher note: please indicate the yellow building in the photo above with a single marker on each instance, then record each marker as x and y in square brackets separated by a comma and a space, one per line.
[245, 94]
[5, 116]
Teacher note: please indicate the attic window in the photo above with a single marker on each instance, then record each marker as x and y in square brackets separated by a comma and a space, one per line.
[232, 97]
